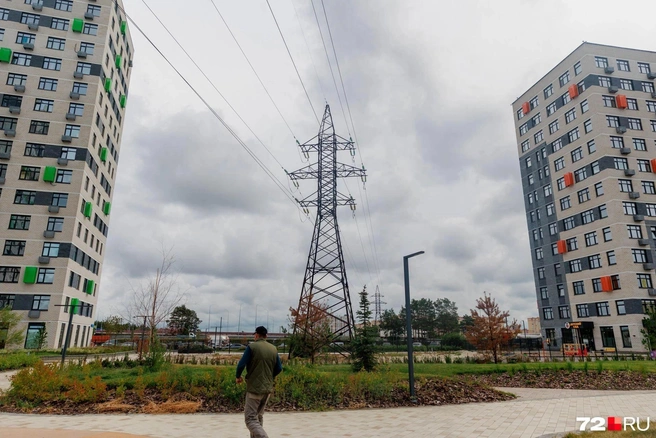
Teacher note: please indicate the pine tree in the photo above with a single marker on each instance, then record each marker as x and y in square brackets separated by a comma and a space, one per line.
[363, 347]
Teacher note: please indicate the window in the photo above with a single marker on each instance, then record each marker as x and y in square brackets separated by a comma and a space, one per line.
[584, 107]
[577, 68]
[626, 336]
[90, 29]
[16, 79]
[59, 24]
[644, 166]
[613, 121]
[56, 43]
[564, 78]
[587, 126]
[528, 162]
[59, 199]
[651, 209]
[584, 195]
[616, 142]
[625, 185]
[570, 115]
[21, 59]
[591, 239]
[610, 255]
[43, 105]
[604, 81]
[599, 189]
[536, 119]
[539, 254]
[526, 144]
[544, 294]
[48, 84]
[534, 102]
[554, 126]
[626, 84]
[34, 150]
[7, 300]
[631, 104]
[84, 68]
[563, 312]
[46, 275]
[644, 281]
[52, 64]
[19, 222]
[8, 101]
[72, 131]
[647, 87]
[603, 309]
[50, 249]
[582, 310]
[39, 127]
[538, 137]
[31, 337]
[8, 123]
[620, 163]
[648, 187]
[40, 302]
[553, 229]
[64, 176]
[565, 98]
[520, 114]
[94, 10]
[643, 67]
[55, 224]
[634, 124]
[76, 108]
[594, 261]
[648, 306]
[551, 108]
[80, 88]
[14, 248]
[24, 197]
[623, 65]
[575, 265]
[601, 62]
[9, 274]
[580, 174]
[603, 211]
[548, 91]
[559, 164]
[523, 129]
[88, 48]
[651, 106]
[29, 173]
[565, 203]
[635, 231]
[608, 235]
[609, 101]
[64, 5]
[547, 190]
[568, 223]
[30, 18]
[629, 208]
[25, 38]
[547, 312]
[550, 209]
[4, 14]
[639, 255]
[621, 308]
[541, 275]
[572, 244]
[639, 144]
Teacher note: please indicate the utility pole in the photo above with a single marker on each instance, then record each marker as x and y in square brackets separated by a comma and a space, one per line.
[377, 304]
[239, 320]
[72, 309]
[325, 286]
[143, 332]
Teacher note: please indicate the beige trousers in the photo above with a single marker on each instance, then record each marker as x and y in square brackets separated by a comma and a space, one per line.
[253, 414]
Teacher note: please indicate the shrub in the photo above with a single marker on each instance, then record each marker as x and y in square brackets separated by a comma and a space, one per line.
[17, 360]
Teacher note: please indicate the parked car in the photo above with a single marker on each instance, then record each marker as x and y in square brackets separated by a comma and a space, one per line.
[417, 344]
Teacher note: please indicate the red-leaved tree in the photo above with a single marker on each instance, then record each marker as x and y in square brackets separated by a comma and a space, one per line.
[490, 331]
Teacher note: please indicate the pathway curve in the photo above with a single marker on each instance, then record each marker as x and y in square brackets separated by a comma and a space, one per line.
[534, 413]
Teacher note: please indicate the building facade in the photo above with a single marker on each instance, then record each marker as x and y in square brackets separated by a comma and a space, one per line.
[586, 138]
[64, 73]
[534, 325]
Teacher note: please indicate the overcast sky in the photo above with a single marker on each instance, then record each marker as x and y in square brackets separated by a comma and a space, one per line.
[429, 84]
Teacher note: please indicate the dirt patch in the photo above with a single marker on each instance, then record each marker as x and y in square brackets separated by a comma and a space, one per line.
[593, 379]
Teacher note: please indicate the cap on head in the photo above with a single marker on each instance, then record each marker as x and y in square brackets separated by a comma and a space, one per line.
[261, 330]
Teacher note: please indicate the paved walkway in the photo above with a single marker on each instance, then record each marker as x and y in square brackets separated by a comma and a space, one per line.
[536, 412]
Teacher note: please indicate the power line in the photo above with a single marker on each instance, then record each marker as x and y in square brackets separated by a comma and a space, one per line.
[292, 59]
[316, 72]
[252, 68]
[223, 122]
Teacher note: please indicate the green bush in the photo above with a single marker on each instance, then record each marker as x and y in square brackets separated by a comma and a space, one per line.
[17, 360]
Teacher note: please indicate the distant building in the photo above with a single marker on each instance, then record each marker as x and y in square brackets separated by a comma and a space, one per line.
[533, 325]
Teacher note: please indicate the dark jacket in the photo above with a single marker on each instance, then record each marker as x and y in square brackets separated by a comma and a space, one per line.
[262, 364]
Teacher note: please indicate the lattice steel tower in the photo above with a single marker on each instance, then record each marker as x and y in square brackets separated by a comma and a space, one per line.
[325, 287]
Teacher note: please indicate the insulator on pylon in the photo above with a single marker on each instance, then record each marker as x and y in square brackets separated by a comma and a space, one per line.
[352, 207]
[297, 142]
[353, 152]
[295, 183]
[306, 211]
[306, 155]
[364, 175]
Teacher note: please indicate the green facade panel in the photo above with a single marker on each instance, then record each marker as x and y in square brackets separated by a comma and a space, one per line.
[107, 207]
[74, 306]
[88, 209]
[118, 61]
[49, 174]
[5, 54]
[122, 100]
[78, 25]
[124, 26]
[103, 154]
[30, 274]
[90, 284]
[108, 84]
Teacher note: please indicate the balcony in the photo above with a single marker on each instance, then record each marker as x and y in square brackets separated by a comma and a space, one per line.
[48, 234]
[648, 266]
[53, 209]
[634, 195]
[19, 88]
[44, 260]
[78, 75]
[33, 26]
[88, 16]
[651, 292]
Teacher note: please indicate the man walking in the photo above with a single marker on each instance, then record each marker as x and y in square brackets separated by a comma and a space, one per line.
[262, 364]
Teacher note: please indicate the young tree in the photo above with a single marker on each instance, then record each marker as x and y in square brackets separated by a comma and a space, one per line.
[154, 300]
[490, 331]
[446, 316]
[363, 347]
[392, 324]
[649, 330]
[312, 331]
[9, 335]
[41, 338]
[183, 321]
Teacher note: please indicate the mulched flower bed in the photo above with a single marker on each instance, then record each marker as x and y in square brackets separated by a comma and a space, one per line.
[429, 392]
[604, 380]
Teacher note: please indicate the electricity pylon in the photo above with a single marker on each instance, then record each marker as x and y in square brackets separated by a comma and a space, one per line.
[324, 311]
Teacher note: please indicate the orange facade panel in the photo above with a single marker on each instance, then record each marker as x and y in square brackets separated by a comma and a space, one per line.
[526, 107]
[573, 91]
[620, 100]
[562, 247]
[569, 179]
[606, 284]
[653, 165]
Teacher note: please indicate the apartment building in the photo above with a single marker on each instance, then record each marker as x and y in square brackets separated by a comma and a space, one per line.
[586, 139]
[64, 73]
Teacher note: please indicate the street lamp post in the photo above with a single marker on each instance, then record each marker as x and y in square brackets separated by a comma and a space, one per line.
[408, 323]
